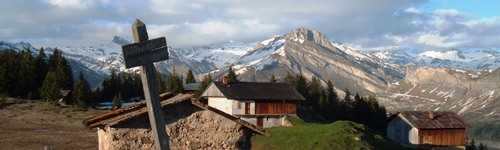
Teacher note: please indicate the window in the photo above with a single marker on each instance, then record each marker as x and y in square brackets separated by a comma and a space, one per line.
[239, 105]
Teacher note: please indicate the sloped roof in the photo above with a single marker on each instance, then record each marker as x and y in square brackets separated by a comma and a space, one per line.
[258, 91]
[120, 115]
[433, 120]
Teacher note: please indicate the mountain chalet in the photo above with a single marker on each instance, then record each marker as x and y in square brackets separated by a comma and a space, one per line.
[262, 104]
[427, 128]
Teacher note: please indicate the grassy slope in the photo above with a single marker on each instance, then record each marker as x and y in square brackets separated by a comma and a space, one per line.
[338, 135]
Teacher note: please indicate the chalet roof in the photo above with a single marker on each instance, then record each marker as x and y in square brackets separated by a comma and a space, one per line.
[433, 120]
[258, 91]
[123, 114]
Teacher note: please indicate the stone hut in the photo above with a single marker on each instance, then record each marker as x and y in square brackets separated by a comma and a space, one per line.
[189, 125]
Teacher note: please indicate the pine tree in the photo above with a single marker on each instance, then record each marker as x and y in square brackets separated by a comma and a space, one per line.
[82, 92]
[333, 108]
[301, 85]
[471, 145]
[323, 105]
[290, 79]
[3, 75]
[347, 98]
[162, 83]
[482, 146]
[50, 89]
[190, 77]
[207, 80]
[233, 78]
[41, 70]
[11, 63]
[111, 86]
[315, 90]
[3, 81]
[25, 81]
[175, 83]
[273, 79]
[68, 81]
[117, 101]
[61, 67]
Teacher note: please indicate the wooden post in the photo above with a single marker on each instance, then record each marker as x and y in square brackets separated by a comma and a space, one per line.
[144, 53]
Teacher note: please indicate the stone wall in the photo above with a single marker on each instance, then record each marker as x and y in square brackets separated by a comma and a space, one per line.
[188, 127]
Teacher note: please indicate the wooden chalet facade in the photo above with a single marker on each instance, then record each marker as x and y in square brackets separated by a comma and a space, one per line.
[427, 128]
[262, 104]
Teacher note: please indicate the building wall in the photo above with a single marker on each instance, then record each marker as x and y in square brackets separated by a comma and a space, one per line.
[276, 107]
[413, 136]
[443, 136]
[267, 122]
[399, 131]
[272, 121]
[188, 127]
[221, 103]
[239, 107]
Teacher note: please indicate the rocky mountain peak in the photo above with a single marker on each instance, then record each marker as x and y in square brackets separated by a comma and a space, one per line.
[303, 34]
[120, 41]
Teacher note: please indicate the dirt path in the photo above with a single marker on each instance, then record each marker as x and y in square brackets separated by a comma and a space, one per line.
[36, 125]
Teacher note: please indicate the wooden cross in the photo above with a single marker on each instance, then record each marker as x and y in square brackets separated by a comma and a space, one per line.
[144, 53]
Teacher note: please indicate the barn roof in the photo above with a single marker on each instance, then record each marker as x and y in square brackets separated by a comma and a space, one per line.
[257, 91]
[433, 120]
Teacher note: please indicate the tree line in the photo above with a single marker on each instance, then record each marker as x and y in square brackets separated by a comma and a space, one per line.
[26, 75]
[324, 105]
[38, 76]
[120, 86]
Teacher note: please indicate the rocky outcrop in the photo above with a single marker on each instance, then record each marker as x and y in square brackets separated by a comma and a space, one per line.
[474, 95]
[310, 53]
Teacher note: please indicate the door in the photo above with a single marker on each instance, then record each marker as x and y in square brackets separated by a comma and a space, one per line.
[260, 122]
[247, 108]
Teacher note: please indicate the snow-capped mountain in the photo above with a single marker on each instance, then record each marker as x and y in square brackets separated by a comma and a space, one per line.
[310, 53]
[220, 55]
[97, 61]
[78, 65]
[468, 59]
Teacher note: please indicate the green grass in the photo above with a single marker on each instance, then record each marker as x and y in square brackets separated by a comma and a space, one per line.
[338, 135]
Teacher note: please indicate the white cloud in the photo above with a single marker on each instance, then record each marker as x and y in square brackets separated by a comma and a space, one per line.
[75, 4]
[381, 23]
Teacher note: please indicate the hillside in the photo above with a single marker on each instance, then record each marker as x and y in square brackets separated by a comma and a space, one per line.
[473, 95]
[337, 135]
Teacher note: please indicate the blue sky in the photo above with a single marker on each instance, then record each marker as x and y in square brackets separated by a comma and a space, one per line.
[367, 24]
[478, 8]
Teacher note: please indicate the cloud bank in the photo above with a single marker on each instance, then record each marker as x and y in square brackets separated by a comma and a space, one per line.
[366, 24]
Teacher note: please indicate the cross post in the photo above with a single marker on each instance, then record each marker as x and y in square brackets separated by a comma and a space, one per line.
[144, 53]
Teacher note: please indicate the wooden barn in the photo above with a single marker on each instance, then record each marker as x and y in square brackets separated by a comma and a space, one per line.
[263, 104]
[427, 128]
